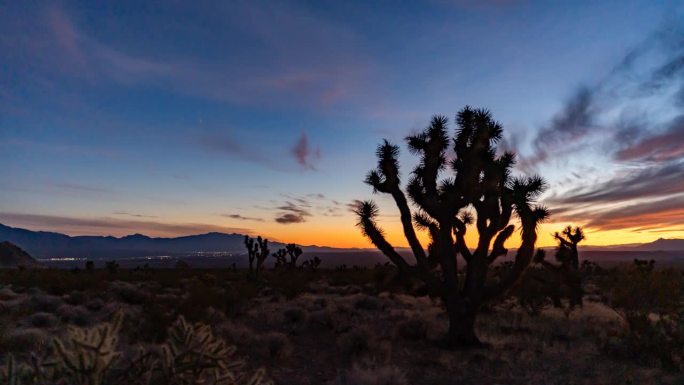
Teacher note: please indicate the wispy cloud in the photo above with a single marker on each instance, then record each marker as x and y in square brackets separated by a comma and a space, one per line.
[230, 146]
[643, 215]
[297, 57]
[289, 218]
[134, 215]
[618, 111]
[304, 154]
[242, 218]
[110, 226]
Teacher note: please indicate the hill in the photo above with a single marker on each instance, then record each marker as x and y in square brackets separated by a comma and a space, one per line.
[662, 244]
[12, 256]
[43, 244]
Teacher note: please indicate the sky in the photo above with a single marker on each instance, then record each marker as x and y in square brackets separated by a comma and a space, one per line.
[172, 118]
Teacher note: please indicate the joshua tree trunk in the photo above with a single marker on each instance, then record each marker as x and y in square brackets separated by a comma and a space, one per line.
[481, 193]
[461, 324]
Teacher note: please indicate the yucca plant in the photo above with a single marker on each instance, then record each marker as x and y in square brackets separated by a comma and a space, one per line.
[480, 191]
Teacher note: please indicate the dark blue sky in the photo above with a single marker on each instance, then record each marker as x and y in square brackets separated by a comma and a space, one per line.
[177, 117]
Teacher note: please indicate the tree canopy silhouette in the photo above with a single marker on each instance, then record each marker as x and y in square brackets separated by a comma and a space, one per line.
[479, 191]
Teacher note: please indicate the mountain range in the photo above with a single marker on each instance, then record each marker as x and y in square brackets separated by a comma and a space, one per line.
[41, 244]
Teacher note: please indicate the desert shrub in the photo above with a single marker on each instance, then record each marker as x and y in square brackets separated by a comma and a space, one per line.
[24, 340]
[366, 302]
[320, 319]
[154, 325]
[7, 293]
[199, 297]
[371, 374]
[76, 298]
[275, 345]
[77, 315]
[412, 329]
[45, 303]
[355, 342]
[112, 267]
[294, 315]
[129, 293]
[94, 304]
[42, 320]
[649, 302]
[236, 297]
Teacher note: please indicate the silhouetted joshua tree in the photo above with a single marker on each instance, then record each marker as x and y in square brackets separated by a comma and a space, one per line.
[555, 282]
[566, 253]
[291, 250]
[257, 251]
[480, 192]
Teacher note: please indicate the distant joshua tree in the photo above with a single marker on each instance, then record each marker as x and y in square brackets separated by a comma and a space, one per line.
[257, 251]
[479, 192]
[551, 281]
[281, 256]
[568, 239]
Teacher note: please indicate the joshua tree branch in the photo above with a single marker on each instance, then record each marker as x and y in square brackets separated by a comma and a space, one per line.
[375, 235]
[409, 231]
[498, 249]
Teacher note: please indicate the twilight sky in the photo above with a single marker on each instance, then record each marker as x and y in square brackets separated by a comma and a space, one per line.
[176, 117]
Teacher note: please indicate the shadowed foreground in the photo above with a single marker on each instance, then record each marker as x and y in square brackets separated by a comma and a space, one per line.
[338, 327]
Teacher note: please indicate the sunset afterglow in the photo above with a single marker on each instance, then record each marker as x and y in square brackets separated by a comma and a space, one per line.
[263, 118]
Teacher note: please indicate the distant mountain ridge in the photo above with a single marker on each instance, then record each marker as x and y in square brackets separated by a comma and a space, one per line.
[662, 244]
[42, 244]
[13, 256]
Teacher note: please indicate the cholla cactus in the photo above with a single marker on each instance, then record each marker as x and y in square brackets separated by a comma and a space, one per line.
[88, 353]
[193, 355]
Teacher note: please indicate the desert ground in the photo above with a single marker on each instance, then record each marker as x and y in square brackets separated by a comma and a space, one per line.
[345, 326]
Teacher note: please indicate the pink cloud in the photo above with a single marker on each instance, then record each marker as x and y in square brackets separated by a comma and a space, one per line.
[304, 154]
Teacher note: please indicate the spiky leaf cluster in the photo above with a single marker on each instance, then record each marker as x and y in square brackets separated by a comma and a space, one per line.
[458, 183]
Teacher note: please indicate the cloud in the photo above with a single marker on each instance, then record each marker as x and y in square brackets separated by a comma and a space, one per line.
[292, 213]
[654, 181]
[227, 145]
[618, 109]
[275, 73]
[659, 147]
[242, 218]
[572, 124]
[134, 215]
[642, 216]
[110, 226]
[304, 154]
[289, 218]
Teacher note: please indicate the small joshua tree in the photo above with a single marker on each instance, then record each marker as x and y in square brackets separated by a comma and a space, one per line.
[311, 264]
[291, 250]
[257, 251]
[480, 184]
[566, 253]
[551, 281]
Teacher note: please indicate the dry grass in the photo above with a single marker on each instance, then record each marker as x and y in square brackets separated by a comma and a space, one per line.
[334, 328]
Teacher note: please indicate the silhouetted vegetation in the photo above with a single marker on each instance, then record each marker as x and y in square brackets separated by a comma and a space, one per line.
[257, 252]
[546, 283]
[480, 192]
